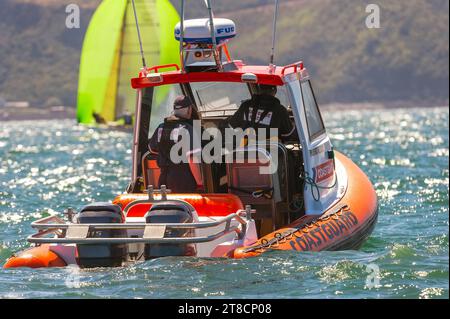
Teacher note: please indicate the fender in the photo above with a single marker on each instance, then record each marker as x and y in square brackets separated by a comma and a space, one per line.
[36, 257]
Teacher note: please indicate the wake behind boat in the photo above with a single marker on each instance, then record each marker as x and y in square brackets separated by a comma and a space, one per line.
[295, 193]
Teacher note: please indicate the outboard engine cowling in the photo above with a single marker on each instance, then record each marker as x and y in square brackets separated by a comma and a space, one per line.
[101, 255]
[171, 212]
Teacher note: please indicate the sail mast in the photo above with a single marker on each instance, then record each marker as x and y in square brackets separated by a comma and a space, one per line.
[144, 64]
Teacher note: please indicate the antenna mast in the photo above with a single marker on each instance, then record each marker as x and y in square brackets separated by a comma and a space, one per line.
[275, 17]
[213, 34]
[210, 45]
[139, 36]
[182, 36]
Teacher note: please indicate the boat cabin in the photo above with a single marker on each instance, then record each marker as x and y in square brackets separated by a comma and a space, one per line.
[304, 180]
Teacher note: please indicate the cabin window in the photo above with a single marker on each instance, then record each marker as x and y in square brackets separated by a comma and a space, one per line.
[219, 99]
[162, 104]
[312, 113]
[223, 99]
[281, 94]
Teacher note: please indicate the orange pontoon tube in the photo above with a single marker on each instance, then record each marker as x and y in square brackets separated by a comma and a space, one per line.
[346, 225]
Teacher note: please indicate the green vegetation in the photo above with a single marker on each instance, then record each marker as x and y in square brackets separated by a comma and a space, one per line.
[39, 57]
[406, 59]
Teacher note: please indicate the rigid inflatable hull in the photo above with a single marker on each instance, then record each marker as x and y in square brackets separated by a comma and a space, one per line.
[344, 226]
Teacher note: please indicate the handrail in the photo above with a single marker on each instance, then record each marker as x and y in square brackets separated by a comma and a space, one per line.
[60, 229]
[129, 240]
[296, 65]
[49, 219]
[101, 226]
[156, 68]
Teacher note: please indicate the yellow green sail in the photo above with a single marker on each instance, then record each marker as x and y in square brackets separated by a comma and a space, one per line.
[111, 56]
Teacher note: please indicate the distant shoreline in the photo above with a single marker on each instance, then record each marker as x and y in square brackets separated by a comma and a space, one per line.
[33, 113]
[61, 113]
[381, 105]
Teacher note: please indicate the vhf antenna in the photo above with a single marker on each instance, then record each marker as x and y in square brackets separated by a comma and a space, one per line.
[139, 36]
[213, 34]
[182, 36]
[274, 34]
[211, 23]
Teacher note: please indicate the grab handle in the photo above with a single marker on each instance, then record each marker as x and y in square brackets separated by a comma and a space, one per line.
[164, 66]
[295, 65]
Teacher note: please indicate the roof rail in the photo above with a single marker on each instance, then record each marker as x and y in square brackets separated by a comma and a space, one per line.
[164, 66]
[296, 66]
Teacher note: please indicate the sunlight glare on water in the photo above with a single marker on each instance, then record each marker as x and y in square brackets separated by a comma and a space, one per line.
[47, 166]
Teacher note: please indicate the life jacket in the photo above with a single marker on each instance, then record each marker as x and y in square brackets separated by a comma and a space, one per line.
[259, 112]
[168, 136]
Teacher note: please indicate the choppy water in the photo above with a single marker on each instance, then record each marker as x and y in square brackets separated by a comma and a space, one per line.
[46, 167]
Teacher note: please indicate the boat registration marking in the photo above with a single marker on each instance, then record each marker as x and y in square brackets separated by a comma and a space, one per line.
[323, 171]
[154, 231]
[77, 231]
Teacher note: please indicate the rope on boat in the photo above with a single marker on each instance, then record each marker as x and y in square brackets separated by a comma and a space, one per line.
[314, 187]
[280, 238]
[267, 192]
[297, 204]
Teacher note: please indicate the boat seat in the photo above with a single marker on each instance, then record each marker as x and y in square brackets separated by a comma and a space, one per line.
[151, 171]
[267, 193]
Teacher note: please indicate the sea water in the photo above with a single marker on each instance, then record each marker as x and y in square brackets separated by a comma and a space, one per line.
[47, 166]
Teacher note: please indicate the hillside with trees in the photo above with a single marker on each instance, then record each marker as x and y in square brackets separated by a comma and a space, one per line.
[405, 59]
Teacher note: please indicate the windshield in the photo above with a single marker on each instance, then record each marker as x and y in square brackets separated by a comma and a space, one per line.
[223, 99]
[213, 99]
[219, 99]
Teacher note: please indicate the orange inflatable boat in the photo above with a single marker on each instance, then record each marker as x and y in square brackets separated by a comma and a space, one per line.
[295, 194]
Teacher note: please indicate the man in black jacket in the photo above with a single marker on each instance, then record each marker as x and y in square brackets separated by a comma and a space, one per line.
[178, 177]
[264, 110]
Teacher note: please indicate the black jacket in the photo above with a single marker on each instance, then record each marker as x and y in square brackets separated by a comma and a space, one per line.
[263, 111]
[162, 140]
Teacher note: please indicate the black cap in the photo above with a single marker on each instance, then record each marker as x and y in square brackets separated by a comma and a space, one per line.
[182, 102]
